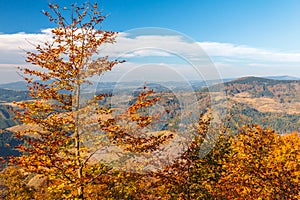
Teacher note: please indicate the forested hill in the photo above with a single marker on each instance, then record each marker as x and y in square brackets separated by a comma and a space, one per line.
[7, 114]
[7, 109]
[13, 95]
[276, 102]
[268, 102]
[261, 87]
[19, 86]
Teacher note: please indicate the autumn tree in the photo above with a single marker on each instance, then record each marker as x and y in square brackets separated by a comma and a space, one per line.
[14, 184]
[261, 165]
[194, 175]
[58, 122]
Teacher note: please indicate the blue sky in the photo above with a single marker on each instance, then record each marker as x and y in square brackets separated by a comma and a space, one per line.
[242, 37]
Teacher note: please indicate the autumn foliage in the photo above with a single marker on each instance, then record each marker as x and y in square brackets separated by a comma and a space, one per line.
[61, 123]
[262, 165]
[254, 163]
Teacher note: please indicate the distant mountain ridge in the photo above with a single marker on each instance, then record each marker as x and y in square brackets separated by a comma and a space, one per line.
[282, 77]
[196, 84]
[256, 99]
[268, 102]
[259, 87]
[8, 95]
[19, 85]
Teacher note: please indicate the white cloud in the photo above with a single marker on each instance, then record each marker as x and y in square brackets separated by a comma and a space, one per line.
[152, 45]
[143, 52]
[22, 40]
[260, 65]
[239, 59]
[13, 47]
[234, 51]
[152, 72]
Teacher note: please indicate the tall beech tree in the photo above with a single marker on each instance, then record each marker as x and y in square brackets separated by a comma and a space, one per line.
[58, 120]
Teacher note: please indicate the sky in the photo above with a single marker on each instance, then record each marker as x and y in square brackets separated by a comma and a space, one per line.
[202, 39]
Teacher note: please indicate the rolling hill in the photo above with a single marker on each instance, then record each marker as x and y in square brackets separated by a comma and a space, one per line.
[7, 95]
[269, 102]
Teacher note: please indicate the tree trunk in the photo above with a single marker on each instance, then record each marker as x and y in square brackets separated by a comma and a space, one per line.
[77, 141]
[80, 193]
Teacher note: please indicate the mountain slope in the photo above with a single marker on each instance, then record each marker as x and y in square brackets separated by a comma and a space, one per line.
[282, 77]
[19, 86]
[261, 87]
[268, 102]
[13, 95]
[7, 114]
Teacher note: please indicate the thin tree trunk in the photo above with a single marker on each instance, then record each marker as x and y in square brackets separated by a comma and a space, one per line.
[77, 141]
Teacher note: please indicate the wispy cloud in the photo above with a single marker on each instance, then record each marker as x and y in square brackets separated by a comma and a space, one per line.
[14, 46]
[235, 52]
[230, 59]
